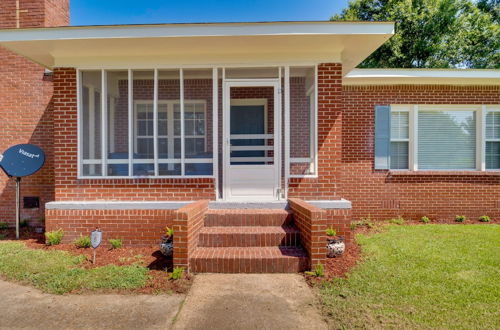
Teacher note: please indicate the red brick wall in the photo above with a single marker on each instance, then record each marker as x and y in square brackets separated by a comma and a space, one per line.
[188, 222]
[25, 105]
[134, 227]
[437, 195]
[329, 138]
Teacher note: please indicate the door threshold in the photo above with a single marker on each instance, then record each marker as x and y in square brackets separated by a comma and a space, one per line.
[248, 205]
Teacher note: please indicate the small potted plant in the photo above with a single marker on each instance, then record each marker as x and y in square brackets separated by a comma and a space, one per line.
[167, 242]
[334, 244]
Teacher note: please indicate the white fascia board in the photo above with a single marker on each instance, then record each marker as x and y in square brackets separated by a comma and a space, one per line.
[422, 76]
[197, 30]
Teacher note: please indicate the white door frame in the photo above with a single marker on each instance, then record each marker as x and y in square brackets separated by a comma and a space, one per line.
[226, 145]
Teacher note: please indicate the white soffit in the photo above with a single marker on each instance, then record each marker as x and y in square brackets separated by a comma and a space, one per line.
[359, 77]
[199, 44]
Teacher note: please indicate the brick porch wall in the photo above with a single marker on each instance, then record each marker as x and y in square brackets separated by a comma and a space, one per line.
[188, 222]
[312, 223]
[329, 138]
[134, 227]
[438, 195]
[69, 187]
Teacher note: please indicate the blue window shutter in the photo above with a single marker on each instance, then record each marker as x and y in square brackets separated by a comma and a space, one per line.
[382, 137]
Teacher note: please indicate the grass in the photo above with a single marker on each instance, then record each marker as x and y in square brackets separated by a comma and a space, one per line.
[59, 272]
[433, 276]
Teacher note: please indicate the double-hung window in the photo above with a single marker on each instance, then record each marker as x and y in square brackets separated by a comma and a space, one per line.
[444, 137]
[400, 139]
[492, 150]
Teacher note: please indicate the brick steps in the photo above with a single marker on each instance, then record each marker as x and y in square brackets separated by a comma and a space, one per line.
[248, 241]
[249, 260]
[247, 217]
[249, 236]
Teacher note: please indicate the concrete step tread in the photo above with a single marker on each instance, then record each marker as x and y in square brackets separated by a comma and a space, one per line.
[248, 211]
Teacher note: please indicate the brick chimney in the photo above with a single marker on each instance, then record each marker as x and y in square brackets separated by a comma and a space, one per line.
[25, 104]
[33, 13]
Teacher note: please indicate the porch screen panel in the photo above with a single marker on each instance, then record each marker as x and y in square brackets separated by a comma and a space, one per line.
[91, 129]
[117, 120]
[198, 94]
[143, 122]
[302, 120]
[169, 123]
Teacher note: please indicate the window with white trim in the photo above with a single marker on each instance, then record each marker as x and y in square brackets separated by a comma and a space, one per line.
[492, 135]
[169, 132]
[400, 138]
[445, 137]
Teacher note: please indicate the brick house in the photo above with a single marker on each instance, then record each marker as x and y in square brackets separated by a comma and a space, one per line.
[249, 146]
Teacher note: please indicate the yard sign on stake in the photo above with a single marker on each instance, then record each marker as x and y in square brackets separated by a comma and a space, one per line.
[95, 240]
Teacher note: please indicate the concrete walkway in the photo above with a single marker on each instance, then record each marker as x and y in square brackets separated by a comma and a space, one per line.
[28, 308]
[216, 301]
[249, 301]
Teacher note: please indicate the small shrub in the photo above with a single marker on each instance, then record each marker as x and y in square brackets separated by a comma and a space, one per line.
[4, 225]
[169, 232]
[484, 218]
[54, 237]
[3, 236]
[460, 218]
[177, 273]
[319, 271]
[425, 219]
[116, 243]
[331, 232]
[82, 242]
[24, 223]
[367, 222]
[397, 221]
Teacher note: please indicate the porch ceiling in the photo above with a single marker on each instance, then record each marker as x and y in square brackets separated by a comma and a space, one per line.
[199, 44]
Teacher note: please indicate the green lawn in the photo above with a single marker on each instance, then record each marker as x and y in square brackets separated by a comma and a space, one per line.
[429, 276]
[59, 272]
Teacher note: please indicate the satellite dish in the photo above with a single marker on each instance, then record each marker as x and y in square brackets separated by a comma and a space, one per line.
[22, 160]
[19, 161]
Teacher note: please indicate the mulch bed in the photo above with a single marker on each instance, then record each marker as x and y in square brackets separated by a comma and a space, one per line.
[148, 256]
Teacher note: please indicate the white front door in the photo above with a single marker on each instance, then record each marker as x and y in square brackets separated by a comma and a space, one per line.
[251, 140]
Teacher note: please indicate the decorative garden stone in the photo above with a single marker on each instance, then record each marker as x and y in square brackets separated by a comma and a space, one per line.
[335, 247]
[167, 246]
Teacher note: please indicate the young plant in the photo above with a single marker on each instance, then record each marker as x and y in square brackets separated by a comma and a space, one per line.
[319, 271]
[169, 232]
[425, 219]
[363, 222]
[3, 236]
[4, 225]
[484, 218]
[397, 221]
[54, 237]
[82, 242]
[460, 218]
[116, 243]
[331, 232]
[177, 273]
[24, 223]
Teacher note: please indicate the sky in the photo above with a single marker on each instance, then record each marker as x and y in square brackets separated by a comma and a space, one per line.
[104, 12]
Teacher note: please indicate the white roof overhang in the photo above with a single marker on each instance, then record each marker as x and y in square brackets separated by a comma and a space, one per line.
[199, 44]
[359, 77]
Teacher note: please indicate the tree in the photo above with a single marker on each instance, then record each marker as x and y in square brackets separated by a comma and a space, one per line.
[432, 33]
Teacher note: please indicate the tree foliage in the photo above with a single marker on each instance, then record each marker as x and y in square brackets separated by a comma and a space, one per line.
[433, 33]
